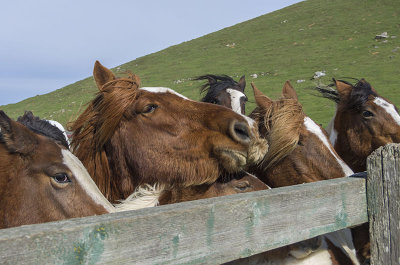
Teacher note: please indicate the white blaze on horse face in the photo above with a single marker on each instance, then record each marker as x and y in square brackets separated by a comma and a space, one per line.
[389, 108]
[235, 99]
[85, 181]
[162, 90]
[315, 129]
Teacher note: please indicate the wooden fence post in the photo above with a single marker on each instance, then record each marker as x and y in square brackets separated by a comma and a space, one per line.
[383, 198]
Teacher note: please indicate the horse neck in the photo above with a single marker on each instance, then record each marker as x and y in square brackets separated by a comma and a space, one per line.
[338, 137]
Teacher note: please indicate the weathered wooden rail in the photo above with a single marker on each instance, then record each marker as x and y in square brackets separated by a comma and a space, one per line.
[218, 230]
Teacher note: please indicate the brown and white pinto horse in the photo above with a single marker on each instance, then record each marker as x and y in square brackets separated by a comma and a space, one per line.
[299, 149]
[223, 90]
[363, 122]
[299, 152]
[129, 136]
[294, 141]
[42, 181]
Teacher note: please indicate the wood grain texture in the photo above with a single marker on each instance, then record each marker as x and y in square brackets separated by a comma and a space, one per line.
[210, 231]
[383, 196]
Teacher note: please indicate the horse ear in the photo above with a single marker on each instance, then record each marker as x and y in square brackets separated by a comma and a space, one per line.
[242, 83]
[102, 75]
[366, 83]
[17, 138]
[343, 88]
[262, 101]
[288, 91]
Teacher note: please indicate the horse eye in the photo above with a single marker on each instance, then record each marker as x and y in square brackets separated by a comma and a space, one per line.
[214, 101]
[61, 178]
[367, 114]
[242, 186]
[149, 108]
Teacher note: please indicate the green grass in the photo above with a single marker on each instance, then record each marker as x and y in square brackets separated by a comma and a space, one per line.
[336, 36]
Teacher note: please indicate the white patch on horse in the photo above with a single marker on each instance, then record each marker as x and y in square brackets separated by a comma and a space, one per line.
[163, 90]
[389, 108]
[236, 95]
[315, 129]
[84, 180]
[145, 196]
[333, 134]
[320, 256]
[60, 127]
[344, 240]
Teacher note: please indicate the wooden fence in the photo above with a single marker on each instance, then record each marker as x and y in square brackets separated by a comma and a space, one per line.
[219, 230]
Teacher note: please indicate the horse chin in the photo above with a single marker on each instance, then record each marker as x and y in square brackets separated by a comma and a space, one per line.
[231, 160]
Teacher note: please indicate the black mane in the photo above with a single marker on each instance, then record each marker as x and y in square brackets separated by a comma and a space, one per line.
[215, 84]
[359, 93]
[43, 127]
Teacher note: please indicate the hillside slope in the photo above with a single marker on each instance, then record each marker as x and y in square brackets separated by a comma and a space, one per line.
[335, 36]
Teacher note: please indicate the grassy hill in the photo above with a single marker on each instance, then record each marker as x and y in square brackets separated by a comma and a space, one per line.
[335, 36]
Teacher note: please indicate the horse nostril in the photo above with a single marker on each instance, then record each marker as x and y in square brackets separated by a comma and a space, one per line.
[240, 132]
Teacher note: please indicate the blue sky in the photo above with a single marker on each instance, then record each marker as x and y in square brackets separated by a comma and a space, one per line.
[46, 44]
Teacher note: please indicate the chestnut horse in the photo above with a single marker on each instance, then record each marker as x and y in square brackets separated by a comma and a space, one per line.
[294, 141]
[225, 185]
[363, 122]
[299, 149]
[41, 181]
[299, 152]
[224, 91]
[129, 136]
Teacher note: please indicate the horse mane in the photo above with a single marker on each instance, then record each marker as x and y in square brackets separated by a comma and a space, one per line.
[97, 124]
[360, 92]
[43, 127]
[214, 87]
[282, 121]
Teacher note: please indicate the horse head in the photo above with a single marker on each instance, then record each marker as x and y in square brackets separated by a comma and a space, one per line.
[299, 148]
[41, 181]
[224, 91]
[363, 121]
[131, 135]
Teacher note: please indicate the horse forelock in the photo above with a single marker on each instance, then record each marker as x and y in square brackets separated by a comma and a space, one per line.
[283, 122]
[212, 90]
[43, 127]
[97, 124]
[360, 94]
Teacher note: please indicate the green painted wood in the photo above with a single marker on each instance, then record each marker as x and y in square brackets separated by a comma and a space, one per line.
[207, 231]
[383, 195]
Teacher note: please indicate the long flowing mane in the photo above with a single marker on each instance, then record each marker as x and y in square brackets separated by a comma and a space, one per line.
[360, 92]
[96, 125]
[283, 116]
[219, 83]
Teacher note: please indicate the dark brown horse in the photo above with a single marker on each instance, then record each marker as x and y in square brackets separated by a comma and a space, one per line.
[42, 181]
[363, 122]
[129, 136]
[223, 90]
